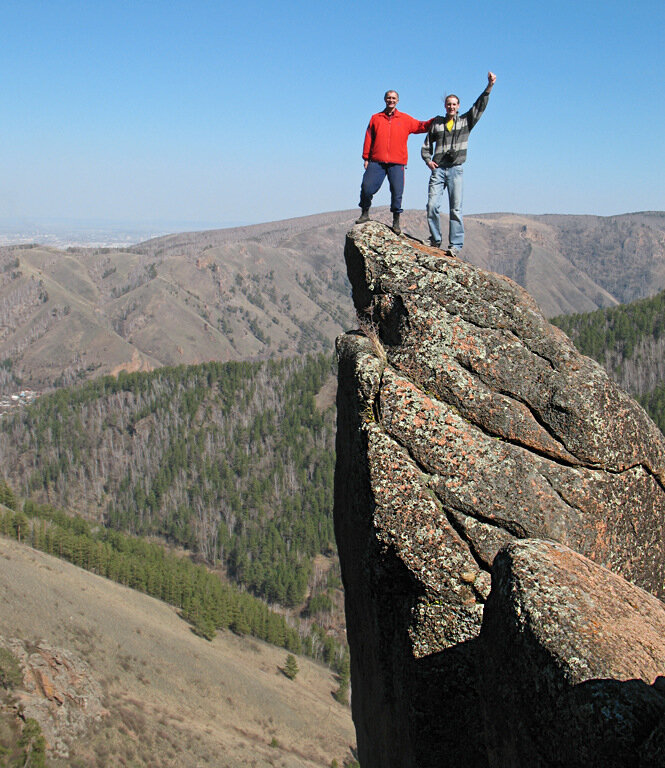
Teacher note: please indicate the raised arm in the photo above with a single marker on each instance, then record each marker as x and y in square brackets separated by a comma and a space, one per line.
[473, 115]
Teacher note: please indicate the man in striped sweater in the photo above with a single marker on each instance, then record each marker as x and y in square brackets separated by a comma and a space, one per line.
[444, 152]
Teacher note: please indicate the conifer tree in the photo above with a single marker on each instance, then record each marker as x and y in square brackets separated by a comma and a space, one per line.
[291, 667]
[33, 744]
[344, 677]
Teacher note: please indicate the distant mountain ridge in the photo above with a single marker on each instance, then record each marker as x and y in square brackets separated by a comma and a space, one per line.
[277, 289]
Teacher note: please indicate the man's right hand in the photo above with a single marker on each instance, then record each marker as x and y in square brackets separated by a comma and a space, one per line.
[432, 165]
[365, 163]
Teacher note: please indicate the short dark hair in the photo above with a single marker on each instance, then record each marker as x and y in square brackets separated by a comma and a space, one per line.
[392, 90]
[451, 96]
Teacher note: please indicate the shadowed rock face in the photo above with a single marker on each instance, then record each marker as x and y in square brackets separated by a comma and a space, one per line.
[465, 423]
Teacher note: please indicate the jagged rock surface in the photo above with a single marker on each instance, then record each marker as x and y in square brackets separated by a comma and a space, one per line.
[465, 423]
[567, 650]
[58, 691]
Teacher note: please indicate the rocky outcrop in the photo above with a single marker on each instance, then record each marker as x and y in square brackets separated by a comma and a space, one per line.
[58, 691]
[468, 424]
[568, 652]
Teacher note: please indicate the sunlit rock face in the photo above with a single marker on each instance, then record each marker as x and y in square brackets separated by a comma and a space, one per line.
[571, 664]
[467, 424]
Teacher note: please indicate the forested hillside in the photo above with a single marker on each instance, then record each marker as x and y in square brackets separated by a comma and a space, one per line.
[233, 461]
[629, 341]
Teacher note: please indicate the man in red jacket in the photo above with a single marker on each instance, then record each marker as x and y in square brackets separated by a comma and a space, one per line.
[385, 154]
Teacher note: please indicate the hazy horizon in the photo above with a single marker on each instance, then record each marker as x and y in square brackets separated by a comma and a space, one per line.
[97, 232]
[64, 232]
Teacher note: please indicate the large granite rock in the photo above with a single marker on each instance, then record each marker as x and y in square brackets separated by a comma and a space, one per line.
[465, 423]
[568, 652]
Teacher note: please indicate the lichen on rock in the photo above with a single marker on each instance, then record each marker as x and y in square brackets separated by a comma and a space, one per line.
[59, 691]
[466, 423]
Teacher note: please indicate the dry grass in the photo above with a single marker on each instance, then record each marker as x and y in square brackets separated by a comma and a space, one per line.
[173, 699]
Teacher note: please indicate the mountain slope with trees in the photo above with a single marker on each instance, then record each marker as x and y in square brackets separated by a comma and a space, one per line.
[629, 341]
[207, 602]
[166, 697]
[232, 461]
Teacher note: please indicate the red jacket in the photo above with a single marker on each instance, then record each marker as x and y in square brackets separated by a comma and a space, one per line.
[385, 138]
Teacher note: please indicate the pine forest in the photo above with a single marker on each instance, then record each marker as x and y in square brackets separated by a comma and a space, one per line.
[629, 341]
[229, 462]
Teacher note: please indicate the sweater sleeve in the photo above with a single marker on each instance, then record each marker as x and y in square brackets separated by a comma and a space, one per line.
[426, 149]
[473, 115]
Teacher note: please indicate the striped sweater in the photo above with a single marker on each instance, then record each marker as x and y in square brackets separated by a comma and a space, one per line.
[453, 144]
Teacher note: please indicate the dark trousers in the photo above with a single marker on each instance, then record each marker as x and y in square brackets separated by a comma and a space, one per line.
[373, 178]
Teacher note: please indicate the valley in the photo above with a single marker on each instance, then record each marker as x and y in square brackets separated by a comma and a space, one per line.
[181, 393]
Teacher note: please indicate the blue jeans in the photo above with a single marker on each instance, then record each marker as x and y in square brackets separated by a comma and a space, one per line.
[373, 178]
[450, 179]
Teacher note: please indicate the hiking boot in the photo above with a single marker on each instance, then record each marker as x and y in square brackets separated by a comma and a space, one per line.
[364, 216]
[396, 228]
[434, 243]
[453, 251]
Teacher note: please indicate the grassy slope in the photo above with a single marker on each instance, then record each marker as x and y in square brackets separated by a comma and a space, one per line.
[193, 703]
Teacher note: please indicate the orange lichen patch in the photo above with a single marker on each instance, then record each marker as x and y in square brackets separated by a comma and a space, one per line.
[465, 341]
[601, 537]
[44, 682]
[593, 627]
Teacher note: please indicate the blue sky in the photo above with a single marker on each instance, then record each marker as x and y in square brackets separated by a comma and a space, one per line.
[255, 111]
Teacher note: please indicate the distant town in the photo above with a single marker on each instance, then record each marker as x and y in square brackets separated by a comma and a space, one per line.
[17, 400]
[63, 236]
[93, 234]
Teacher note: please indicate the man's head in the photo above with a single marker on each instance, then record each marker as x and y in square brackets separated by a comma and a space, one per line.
[391, 98]
[452, 105]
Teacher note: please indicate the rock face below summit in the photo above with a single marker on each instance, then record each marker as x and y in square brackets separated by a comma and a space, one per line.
[568, 652]
[467, 424]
